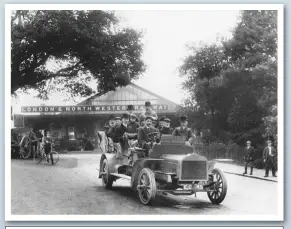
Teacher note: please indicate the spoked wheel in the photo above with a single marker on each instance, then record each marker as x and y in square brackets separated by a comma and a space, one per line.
[220, 187]
[107, 179]
[37, 157]
[25, 152]
[54, 157]
[146, 186]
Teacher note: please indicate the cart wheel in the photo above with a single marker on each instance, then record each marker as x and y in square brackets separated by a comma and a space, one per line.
[146, 186]
[220, 187]
[107, 179]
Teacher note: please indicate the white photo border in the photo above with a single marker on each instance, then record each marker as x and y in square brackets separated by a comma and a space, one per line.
[278, 7]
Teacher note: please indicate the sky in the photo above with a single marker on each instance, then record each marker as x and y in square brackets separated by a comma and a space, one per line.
[166, 34]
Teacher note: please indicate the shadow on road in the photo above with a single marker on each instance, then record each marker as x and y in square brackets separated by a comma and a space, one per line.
[169, 201]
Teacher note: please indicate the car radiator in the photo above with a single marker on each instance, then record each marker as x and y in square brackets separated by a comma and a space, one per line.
[194, 170]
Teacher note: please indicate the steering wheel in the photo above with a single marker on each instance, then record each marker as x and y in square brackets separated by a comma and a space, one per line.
[154, 136]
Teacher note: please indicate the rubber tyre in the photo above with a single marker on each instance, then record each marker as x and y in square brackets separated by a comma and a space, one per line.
[37, 157]
[216, 197]
[55, 156]
[107, 179]
[147, 195]
[25, 153]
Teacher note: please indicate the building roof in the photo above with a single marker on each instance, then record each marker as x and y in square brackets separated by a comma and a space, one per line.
[111, 102]
[119, 89]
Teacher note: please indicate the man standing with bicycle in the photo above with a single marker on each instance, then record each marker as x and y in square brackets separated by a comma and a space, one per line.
[28, 143]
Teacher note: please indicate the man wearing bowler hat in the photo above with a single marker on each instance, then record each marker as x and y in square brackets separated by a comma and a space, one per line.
[130, 110]
[149, 110]
[249, 157]
[184, 131]
[269, 155]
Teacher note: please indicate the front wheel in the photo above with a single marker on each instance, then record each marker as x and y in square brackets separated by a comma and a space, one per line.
[37, 157]
[220, 187]
[54, 156]
[146, 187]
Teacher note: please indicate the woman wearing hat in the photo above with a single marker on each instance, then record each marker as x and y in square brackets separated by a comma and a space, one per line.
[269, 155]
[249, 157]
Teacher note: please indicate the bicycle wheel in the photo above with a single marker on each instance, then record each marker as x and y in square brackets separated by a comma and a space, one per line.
[54, 157]
[25, 152]
[37, 157]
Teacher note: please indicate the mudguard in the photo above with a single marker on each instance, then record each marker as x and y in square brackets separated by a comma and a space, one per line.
[212, 163]
[140, 165]
[113, 162]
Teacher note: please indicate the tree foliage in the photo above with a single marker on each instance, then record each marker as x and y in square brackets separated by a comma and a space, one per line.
[65, 49]
[234, 83]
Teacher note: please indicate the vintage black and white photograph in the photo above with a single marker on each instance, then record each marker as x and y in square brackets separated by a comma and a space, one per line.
[144, 112]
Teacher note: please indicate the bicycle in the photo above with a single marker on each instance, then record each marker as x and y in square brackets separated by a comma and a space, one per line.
[40, 154]
[25, 152]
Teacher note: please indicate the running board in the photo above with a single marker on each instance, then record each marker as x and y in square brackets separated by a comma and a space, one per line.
[121, 176]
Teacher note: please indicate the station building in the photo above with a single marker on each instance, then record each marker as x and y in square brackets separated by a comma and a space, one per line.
[69, 124]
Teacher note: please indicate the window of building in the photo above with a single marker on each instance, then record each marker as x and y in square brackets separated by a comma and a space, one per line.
[71, 132]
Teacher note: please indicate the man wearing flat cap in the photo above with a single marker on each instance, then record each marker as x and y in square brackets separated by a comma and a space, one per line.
[132, 127]
[143, 132]
[184, 131]
[119, 131]
[249, 157]
[142, 120]
[149, 110]
[269, 156]
[167, 129]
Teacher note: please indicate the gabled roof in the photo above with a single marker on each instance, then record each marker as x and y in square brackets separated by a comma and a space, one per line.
[134, 86]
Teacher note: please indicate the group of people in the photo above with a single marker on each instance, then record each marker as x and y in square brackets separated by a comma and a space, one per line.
[269, 158]
[37, 141]
[132, 130]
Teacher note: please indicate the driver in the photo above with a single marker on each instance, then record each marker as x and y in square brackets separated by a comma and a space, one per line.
[143, 139]
[184, 131]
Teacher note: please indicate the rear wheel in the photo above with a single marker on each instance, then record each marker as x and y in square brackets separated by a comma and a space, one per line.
[146, 187]
[107, 179]
[37, 157]
[25, 152]
[220, 187]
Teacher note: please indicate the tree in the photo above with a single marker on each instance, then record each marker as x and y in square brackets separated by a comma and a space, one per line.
[235, 81]
[64, 50]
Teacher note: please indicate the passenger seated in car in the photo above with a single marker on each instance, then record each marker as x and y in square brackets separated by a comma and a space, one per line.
[149, 110]
[110, 133]
[162, 123]
[143, 139]
[142, 120]
[184, 131]
[120, 143]
[166, 128]
[132, 129]
[155, 123]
